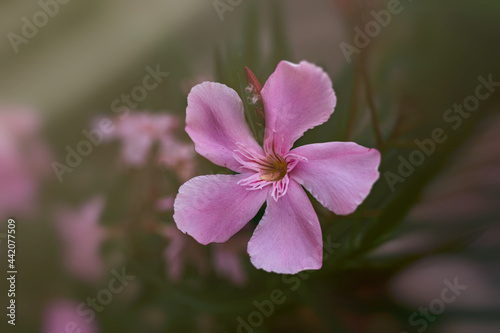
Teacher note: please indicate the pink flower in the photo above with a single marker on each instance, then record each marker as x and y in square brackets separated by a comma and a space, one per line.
[338, 174]
[24, 161]
[180, 251]
[82, 237]
[139, 131]
[178, 156]
[165, 203]
[63, 316]
[227, 259]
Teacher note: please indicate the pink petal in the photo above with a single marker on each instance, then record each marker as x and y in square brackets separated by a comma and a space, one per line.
[228, 258]
[288, 238]
[296, 98]
[178, 156]
[18, 186]
[165, 204]
[181, 251]
[63, 316]
[82, 236]
[135, 150]
[215, 121]
[339, 175]
[213, 208]
[228, 265]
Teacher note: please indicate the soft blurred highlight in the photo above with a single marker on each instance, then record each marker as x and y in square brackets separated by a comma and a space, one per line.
[93, 151]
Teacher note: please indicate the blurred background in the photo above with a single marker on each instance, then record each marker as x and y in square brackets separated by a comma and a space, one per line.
[93, 151]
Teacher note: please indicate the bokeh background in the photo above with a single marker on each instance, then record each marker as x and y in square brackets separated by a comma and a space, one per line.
[109, 213]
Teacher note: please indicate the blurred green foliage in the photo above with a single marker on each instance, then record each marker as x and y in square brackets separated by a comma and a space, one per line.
[428, 59]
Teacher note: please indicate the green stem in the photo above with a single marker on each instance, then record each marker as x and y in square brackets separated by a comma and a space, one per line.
[371, 103]
[356, 227]
[354, 102]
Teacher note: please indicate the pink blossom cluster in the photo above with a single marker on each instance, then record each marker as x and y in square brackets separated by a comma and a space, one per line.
[139, 132]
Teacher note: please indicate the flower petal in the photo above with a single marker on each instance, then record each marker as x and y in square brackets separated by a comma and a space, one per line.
[288, 238]
[213, 208]
[215, 121]
[296, 98]
[339, 175]
[61, 314]
[82, 236]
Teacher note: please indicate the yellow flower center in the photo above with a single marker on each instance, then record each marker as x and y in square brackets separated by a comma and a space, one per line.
[274, 169]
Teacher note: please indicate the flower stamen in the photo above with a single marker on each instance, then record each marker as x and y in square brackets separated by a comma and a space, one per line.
[270, 168]
[276, 170]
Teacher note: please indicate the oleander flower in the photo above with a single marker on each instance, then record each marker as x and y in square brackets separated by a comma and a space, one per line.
[139, 131]
[62, 315]
[82, 237]
[212, 208]
[24, 161]
[227, 259]
[180, 252]
[178, 157]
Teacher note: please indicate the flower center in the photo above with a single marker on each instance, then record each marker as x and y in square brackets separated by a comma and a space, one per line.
[275, 170]
[270, 169]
